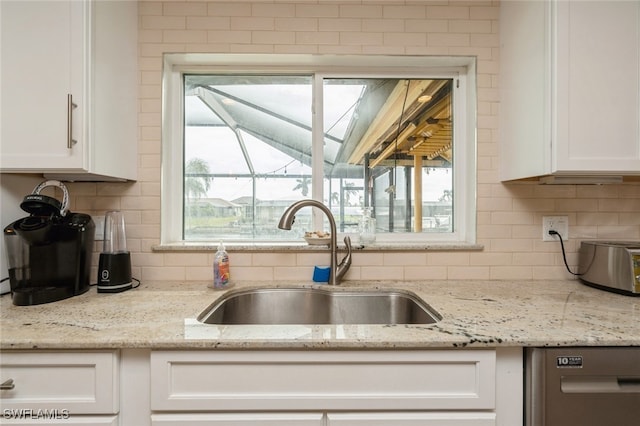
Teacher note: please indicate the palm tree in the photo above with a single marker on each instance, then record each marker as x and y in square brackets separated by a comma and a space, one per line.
[447, 195]
[197, 180]
[349, 191]
[303, 184]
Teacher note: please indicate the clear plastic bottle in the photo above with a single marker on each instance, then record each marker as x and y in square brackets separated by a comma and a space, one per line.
[367, 231]
[221, 268]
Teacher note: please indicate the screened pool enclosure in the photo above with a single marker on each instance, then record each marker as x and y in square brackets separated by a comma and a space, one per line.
[253, 145]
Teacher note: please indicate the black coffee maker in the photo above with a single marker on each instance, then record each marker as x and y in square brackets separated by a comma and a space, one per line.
[49, 252]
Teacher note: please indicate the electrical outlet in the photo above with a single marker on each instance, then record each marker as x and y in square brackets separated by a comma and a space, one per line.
[560, 224]
[99, 222]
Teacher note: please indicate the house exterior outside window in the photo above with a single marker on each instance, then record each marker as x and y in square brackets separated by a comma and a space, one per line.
[247, 135]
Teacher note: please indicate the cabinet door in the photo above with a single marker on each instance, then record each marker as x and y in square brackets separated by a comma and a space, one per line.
[411, 419]
[570, 88]
[75, 383]
[598, 86]
[322, 380]
[42, 63]
[239, 419]
[39, 419]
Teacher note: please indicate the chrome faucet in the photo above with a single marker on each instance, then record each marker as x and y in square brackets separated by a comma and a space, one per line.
[337, 270]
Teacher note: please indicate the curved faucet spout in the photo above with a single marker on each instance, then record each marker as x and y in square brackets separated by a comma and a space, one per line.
[337, 271]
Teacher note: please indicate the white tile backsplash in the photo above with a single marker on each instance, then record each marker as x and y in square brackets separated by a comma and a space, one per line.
[508, 215]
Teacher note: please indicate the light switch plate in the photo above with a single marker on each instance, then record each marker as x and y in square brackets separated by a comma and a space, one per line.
[99, 222]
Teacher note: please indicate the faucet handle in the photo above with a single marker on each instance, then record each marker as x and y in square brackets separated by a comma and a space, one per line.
[347, 243]
[344, 265]
[346, 261]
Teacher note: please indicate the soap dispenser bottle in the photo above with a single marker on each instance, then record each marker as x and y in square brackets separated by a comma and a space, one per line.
[221, 268]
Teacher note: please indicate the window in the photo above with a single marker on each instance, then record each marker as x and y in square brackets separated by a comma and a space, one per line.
[243, 140]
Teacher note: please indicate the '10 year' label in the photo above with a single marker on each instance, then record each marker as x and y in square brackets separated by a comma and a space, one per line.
[569, 362]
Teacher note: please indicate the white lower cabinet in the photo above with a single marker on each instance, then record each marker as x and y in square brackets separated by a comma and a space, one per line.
[142, 387]
[239, 419]
[411, 419]
[76, 388]
[328, 419]
[31, 419]
[330, 388]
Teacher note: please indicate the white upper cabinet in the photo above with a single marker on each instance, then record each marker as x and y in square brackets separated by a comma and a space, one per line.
[69, 89]
[570, 88]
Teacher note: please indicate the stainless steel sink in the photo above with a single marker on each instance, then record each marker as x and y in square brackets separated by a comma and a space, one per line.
[319, 306]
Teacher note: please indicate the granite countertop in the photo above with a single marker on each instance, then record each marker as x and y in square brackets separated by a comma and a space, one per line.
[474, 314]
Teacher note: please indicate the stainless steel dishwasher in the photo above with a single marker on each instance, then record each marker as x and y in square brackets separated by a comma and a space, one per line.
[582, 386]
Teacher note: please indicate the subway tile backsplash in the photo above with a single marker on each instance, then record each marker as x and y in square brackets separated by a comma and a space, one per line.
[509, 216]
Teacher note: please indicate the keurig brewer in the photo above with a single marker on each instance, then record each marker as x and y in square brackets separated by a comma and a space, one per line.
[114, 267]
[48, 252]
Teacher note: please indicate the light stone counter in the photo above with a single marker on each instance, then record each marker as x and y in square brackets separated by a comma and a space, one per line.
[475, 314]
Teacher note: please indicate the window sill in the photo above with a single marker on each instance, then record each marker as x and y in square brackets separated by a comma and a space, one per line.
[303, 247]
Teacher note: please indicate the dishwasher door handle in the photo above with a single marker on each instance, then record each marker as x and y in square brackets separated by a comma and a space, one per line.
[632, 383]
[599, 384]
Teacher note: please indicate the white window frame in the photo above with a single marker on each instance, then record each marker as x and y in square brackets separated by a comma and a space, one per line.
[461, 69]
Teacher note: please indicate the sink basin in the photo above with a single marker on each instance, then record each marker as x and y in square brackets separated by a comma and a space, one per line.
[318, 306]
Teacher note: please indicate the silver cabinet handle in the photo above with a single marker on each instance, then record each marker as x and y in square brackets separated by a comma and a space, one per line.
[70, 107]
[7, 385]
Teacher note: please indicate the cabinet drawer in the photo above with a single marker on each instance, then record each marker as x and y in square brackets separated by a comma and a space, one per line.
[33, 420]
[79, 382]
[238, 419]
[322, 380]
[412, 419]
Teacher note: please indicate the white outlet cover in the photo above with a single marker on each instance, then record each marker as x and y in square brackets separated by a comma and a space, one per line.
[559, 224]
[99, 222]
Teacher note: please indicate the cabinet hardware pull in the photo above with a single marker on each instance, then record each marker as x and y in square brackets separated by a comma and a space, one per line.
[70, 107]
[7, 385]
